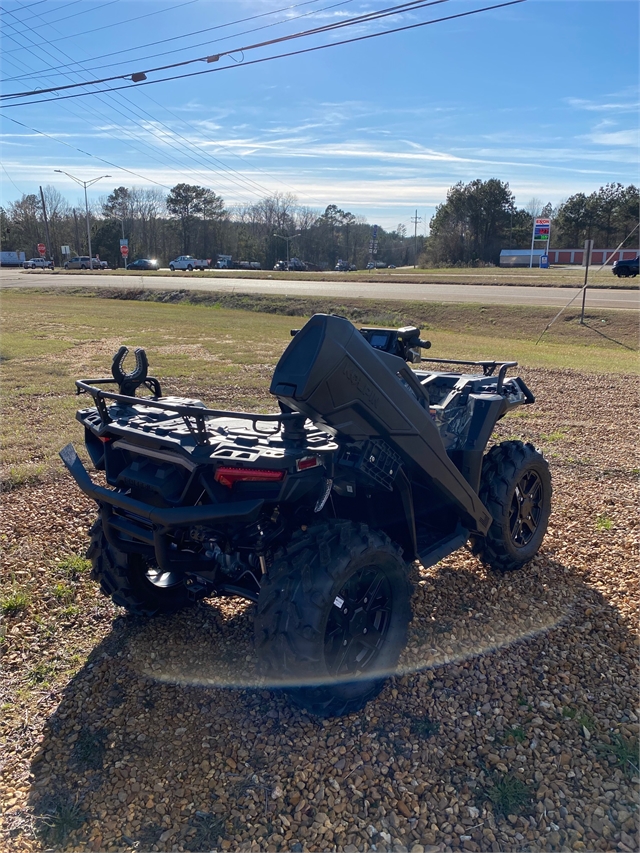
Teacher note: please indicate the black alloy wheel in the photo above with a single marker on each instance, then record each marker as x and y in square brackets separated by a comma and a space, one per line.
[516, 489]
[526, 508]
[358, 623]
[333, 615]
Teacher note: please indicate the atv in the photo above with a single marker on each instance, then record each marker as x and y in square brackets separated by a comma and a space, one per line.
[316, 512]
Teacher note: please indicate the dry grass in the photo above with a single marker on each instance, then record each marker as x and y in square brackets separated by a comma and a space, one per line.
[228, 354]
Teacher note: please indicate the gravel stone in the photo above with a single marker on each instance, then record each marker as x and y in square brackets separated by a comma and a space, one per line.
[510, 724]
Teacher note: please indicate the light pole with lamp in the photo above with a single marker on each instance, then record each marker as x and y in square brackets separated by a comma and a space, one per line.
[288, 240]
[84, 184]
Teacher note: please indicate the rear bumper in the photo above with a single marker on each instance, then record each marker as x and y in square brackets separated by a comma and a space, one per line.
[144, 528]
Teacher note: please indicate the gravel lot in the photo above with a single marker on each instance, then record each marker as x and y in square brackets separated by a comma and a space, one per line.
[512, 725]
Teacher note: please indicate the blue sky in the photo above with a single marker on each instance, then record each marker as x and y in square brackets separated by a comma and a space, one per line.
[543, 95]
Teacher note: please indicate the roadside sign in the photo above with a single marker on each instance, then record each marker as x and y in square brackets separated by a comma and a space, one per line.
[541, 232]
[541, 229]
[124, 242]
[65, 250]
[124, 251]
[42, 248]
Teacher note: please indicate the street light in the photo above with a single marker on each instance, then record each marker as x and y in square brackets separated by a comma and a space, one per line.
[84, 184]
[288, 239]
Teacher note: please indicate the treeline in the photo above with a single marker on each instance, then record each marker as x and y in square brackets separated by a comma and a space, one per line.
[480, 218]
[476, 221]
[194, 220]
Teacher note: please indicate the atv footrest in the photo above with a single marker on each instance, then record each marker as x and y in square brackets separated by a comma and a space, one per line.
[441, 549]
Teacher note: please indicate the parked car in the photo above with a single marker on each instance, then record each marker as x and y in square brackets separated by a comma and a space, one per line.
[38, 263]
[143, 264]
[345, 266]
[626, 268]
[82, 262]
[296, 265]
[189, 263]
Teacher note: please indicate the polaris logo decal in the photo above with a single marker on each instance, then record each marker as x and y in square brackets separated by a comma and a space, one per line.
[363, 386]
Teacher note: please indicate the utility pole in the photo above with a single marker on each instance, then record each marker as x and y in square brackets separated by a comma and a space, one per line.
[46, 224]
[75, 219]
[415, 221]
[588, 247]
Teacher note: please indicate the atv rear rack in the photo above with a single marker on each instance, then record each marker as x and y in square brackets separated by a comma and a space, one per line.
[194, 417]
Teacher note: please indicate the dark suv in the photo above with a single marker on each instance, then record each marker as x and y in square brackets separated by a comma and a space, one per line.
[625, 268]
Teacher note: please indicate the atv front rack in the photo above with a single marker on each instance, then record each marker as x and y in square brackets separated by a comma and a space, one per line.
[488, 367]
[194, 417]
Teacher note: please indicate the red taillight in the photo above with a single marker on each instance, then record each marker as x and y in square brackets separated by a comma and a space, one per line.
[105, 439]
[229, 476]
[307, 462]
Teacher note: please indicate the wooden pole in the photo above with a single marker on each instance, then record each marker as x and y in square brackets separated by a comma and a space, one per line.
[46, 225]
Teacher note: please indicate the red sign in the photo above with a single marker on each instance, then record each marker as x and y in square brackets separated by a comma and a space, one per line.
[124, 251]
[42, 248]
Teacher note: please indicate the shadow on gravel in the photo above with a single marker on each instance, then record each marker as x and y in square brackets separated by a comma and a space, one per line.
[513, 689]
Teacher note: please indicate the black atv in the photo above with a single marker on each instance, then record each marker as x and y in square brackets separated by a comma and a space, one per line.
[314, 513]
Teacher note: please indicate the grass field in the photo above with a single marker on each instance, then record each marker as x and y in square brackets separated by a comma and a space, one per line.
[226, 356]
[555, 277]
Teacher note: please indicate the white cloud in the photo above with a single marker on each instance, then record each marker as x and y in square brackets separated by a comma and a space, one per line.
[609, 106]
[627, 138]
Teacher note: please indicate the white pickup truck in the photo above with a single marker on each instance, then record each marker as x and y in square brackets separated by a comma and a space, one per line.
[188, 262]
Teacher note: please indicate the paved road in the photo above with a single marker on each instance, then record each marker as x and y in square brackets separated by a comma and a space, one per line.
[471, 293]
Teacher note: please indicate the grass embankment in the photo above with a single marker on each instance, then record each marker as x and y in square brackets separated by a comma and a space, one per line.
[554, 277]
[222, 348]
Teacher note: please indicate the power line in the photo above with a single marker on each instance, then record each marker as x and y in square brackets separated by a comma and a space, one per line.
[246, 184]
[270, 58]
[106, 26]
[11, 179]
[366, 18]
[87, 153]
[130, 135]
[60, 8]
[198, 44]
[38, 3]
[196, 32]
[223, 172]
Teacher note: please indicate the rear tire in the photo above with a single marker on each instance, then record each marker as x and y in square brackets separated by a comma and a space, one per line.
[189, 268]
[516, 489]
[333, 584]
[130, 582]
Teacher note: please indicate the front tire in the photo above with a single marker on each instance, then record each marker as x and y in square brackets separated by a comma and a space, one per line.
[172, 268]
[332, 617]
[131, 582]
[516, 489]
